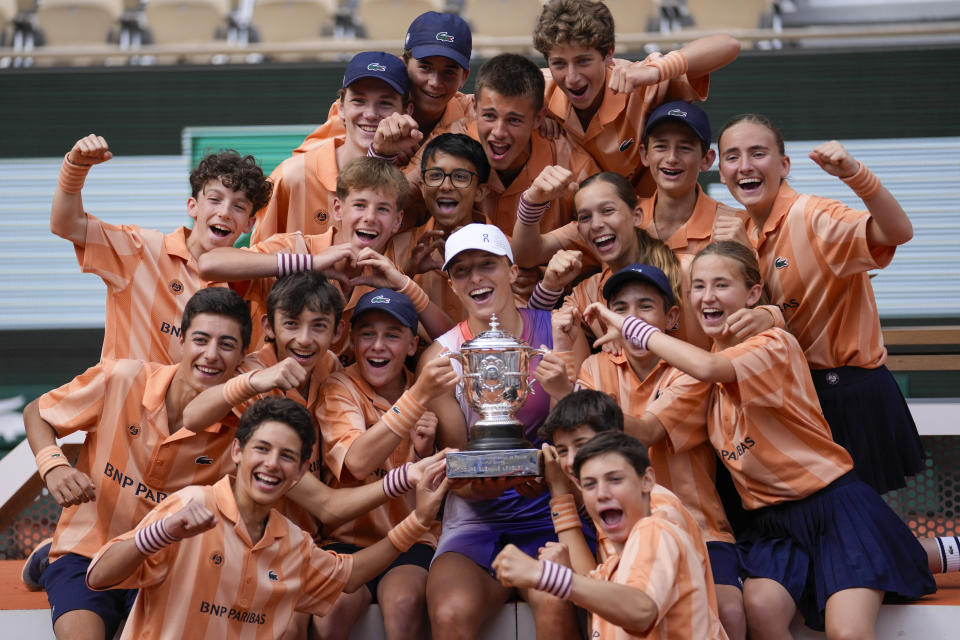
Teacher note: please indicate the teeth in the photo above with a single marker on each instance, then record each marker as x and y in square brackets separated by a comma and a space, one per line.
[369, 128]
[604, 239]
[271, 480]
[476, 293]
[671, 172]
[749, 182]
[302, 354]
[208, 370]
[369, 235]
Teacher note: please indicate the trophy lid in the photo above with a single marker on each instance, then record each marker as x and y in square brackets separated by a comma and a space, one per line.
[494, 338]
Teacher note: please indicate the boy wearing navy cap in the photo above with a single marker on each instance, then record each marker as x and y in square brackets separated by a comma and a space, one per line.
[373, 419]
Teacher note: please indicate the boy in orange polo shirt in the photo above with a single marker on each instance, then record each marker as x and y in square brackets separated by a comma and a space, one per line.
[151, 275]
[221, 562]
[601, 106]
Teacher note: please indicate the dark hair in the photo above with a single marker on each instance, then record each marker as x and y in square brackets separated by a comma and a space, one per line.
[236, 172]
[309, 289]
[755, 118]
[744, 256]
[279, 409]
[704, 145]
[512, 75]
[460, 146]
[372, 173]
[219, 301]
[595, 409]
[589, 24]
[634, 451]
[621, 185]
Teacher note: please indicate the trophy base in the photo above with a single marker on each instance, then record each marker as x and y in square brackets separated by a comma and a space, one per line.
[494, 464]
[495, 436]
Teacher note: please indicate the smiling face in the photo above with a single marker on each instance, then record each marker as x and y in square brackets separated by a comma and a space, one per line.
[212, 349]
[675, 157]
[368, 217]
[568, 443]
[305, 337]
[613, 494]
[433, 81]
[482, 281]
[382, 345]
[607, 224]
[268, 465]
[451, 206]
[752, 166]
[581, 72]
[505, 124]
[717, 290]
[644, 301]
[220, 215]
[365, 103]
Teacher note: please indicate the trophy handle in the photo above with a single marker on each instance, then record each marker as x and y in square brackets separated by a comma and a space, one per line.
[530, 379]
[456, 355]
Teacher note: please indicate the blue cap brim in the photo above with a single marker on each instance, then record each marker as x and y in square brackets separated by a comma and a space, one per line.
[380, 76]
[427, 50]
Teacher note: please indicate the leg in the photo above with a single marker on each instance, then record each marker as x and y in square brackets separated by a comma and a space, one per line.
[348, 608]
[769, 608]
[402, 595]
[79, 624]
[852, 614]
[461, 595]
[554, 618]
[730, 607]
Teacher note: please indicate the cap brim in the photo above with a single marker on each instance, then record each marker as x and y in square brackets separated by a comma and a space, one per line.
[617, 280]
[379, 76]
[652, 123]
[427, 50]
[384, 309]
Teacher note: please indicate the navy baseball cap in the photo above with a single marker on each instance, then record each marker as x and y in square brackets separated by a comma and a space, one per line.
[380, 65]
[389, 301]
[689, 114]
[641, 273]
[440, 34]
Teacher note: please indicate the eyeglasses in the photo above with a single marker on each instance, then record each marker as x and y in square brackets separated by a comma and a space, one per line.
[459, 178]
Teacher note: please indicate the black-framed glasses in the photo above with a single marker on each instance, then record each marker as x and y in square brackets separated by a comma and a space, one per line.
[459, 178]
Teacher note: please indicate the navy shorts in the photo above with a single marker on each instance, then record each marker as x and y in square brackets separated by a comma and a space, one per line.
[725, 564]
[65, 582]
[419, 555]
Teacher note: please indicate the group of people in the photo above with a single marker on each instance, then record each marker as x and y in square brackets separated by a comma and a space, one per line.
[266, 429]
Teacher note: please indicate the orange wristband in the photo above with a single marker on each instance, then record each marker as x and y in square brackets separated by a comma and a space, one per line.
[49, 458]
[72, 176]
[407, 533]
[864, 183]
[563, 510]
[416, 294]
[567, 357]
[238, 390]
[402, 417]
[673, 65]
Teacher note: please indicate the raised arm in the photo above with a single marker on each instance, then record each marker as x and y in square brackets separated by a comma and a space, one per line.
[530, 247]
[66, 484]
[709, 54]
[451, 425]
[67, 218]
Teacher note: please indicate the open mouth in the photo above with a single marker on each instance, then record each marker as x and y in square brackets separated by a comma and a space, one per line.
[219, 230]
[749, 184]
[266, 479]
[447, 205]
[579, 92]
[611, 517]
[378, 363]
[366, 236]
[605, 242]
[712, 316]
[498, 151]
[301, 356]
[367, 128]
[481, 295]
[432, 96]
[209, 372]
[672, 173]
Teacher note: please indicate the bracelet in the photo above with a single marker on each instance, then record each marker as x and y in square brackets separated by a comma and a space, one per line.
[416, 294]
[672, 65]
[402, 417]
[637, 331]
[555, 579]
[239, 389]
[49, 458]
[529, 213]
[72, 175]
[153, 538]
[396, 482]
[563, 511]
[288, 263]
[371, 153]
[864, 183]
[407, 533]
[543, 298]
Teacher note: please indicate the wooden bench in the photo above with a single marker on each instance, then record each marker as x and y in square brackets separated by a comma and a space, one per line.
[934, 348]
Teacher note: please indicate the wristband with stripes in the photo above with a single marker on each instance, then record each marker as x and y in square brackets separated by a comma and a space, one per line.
[555, 579]
[637, 331]
[416, 294]
[239, 389]
[529, 213]
[673, 65]
[402, 417]
[563, 511]
[543, 298]
[153, 538]
[288, 263]
[50, 458]
[864, 183]
[407, 533]
[397, 482]
[72, 175]
[371, 153]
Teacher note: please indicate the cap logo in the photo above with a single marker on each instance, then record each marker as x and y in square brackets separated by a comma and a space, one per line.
[443, 36]
[373, 66]
[486, 237]
[677, 113]
[380, 300]
[781, 263]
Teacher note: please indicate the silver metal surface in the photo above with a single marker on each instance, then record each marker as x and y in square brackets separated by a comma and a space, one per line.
[497, 463]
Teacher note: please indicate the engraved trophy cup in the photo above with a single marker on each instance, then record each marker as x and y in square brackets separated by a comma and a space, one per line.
[496, 383]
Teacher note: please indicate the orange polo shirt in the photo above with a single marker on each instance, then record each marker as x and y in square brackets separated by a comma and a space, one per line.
[222, 584]
[613, 135]
[129, 453]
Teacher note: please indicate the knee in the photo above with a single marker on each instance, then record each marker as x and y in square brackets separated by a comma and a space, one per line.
[449, 612]
[848, 631]
[402, 604]
[732, 617]
[764, 619]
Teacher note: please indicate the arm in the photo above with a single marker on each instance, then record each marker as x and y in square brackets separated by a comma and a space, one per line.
[67, 218]
[530, 247]
[451, 425]
[647, 428]
[709, 54]
[228, 264]
[563, 510]
[67, 485]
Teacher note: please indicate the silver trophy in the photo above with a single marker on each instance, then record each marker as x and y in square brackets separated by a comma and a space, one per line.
[496, 383]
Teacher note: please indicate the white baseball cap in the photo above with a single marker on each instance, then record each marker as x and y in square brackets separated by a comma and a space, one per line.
[482, 237]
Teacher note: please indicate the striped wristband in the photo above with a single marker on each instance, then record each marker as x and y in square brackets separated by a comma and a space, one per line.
[864, 183]
[529, 213]
[49, 458]
[239, 389]
[407, 533]
[673, 65]
[371, 153]
[563, 511]
[153, 538]
[543, 298]
[555, 579]
[416, 294]
[72, 175]
[397, 482]
[402, 417]
[637, 331]
[288, 263]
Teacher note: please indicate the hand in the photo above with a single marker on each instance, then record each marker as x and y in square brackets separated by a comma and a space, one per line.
[527, 279]
[563, 268]
[625, 78]
[436, 378]
[530, 488]
[422, 256]
[421, 469]
[90, 150]
[556, 478]
[551, 373]
[429, 500]
[833, 158]
[395, 134]
[552, 183]
[378, 271]
[745, 323]
[612, 321]
[516, 569]
[729, 227]
[193, 519]
[566, 327]
[550, 128]
[286, 374]
[337, 262]
[69, 486]
[556, 552]
[424, 434]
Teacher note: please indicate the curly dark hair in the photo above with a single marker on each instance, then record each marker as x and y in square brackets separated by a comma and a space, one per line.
[279, 409]
[219, 301]
[236, 172]
[588, 24]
